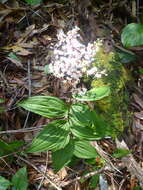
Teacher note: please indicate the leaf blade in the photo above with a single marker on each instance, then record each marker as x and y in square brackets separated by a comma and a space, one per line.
[20, 180]
[85, 133]
[94, 94]
[80, 114]
[63, 155]
[119, 153]
[83, 149]
[132, 35]
[4, 183]
[47, 106]
[54, 136]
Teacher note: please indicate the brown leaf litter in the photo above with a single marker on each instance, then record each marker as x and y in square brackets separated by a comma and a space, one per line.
[28, 33]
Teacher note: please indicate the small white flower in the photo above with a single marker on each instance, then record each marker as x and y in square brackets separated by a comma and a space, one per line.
[98, 75]
[92, 71]
[72, 59]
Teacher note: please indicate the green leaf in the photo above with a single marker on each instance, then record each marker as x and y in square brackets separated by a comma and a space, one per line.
[80, 114]
[53, 137]
[1, 108]
[15, 145]
[19, 180]
[13, 58]
[47, 106]
[1, 100]
[86, 133]
[126, 57]
[6, 148]
[140, 71]
[33, 2]
[83, 149]
[63, 156]
[94, 181]
[132, 35]
[94, 94]
[87, 124]
[119, 153]
[4, 183]
[102, 128]
[138, 188]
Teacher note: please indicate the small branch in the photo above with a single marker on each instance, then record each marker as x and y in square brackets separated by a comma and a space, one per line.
[27, 130]
[29, 79]
[44, 175]
[138, 11]
[41, 182]
[29, 93]
[104, 155]
[85, 177]
[4, 79]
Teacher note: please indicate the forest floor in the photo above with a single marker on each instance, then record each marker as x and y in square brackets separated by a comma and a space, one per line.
[26, 34]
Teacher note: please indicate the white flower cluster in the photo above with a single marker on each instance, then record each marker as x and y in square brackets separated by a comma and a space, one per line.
[72, 59]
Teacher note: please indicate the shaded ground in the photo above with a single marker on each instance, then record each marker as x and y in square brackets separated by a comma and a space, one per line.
[26, 35]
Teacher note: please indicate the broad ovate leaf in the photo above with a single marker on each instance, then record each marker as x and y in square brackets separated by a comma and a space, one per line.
[47, 106]
[80, 114]
[132, 35]
[54, 136]
[20, 180]
[84, 132]
[94, 94]
[63, 156]
[86, 123]
[83, 149]
[4, 183]
[101, 127]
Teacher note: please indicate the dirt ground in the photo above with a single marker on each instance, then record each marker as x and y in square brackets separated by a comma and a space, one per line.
[26, 35]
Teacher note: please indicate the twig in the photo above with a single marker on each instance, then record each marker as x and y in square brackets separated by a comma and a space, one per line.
[138, 11]
[29, 93]
[10, 154]
[85, 177]
[110, 8]
[14, 97]
[104, 155]
[45, 175]
[29, 78]
[27, 130]
[134, 8]
[4, 79]
[121, 184]
[7, 165]
[131, 164]
[41, 182]
[123, 49]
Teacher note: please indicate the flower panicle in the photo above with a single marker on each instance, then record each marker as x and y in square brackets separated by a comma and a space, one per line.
[72, 59]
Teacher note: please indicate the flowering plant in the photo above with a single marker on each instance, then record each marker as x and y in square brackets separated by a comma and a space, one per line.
[89, 74]
[73, 61]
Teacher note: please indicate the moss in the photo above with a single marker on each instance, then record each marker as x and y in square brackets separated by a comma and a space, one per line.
[114, 108]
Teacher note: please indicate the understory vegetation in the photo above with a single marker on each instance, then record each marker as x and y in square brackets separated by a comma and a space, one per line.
[71, 101]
